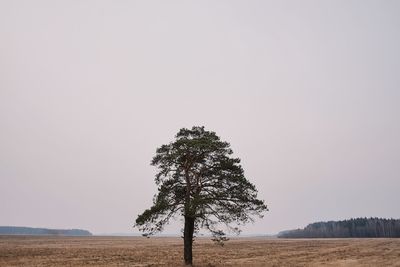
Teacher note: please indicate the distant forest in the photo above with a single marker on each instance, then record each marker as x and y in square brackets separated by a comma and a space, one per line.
[360, 227]
[15, 230]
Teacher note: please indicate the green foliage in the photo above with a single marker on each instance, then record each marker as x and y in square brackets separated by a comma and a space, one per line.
[198, 178]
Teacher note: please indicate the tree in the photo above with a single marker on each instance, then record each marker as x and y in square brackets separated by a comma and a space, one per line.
[198, 179]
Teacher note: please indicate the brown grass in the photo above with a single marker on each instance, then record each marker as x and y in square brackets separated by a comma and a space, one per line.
[137, 251]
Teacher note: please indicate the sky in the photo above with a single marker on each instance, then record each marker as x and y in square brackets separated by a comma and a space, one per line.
[306, 92]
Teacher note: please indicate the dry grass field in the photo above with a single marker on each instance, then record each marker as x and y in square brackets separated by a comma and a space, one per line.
[137, 251]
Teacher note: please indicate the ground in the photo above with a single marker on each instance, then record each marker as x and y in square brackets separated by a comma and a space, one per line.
[162, 251]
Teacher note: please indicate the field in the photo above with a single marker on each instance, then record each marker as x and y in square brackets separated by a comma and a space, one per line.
[137, 251]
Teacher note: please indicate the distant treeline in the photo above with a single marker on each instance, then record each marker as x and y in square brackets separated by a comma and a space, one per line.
[360, 227]
[15, 230]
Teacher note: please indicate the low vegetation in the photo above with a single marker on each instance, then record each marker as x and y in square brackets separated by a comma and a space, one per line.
[139, 251]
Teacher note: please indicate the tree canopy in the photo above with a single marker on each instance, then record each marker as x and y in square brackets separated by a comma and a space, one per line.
[353, 228]
[199, 179]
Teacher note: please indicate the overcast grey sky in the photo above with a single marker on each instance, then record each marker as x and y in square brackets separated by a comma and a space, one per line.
[306, 92]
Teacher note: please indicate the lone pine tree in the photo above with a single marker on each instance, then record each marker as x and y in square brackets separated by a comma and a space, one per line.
[198, 179]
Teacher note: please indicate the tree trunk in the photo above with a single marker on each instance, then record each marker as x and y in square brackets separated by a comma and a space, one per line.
[188, 240]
